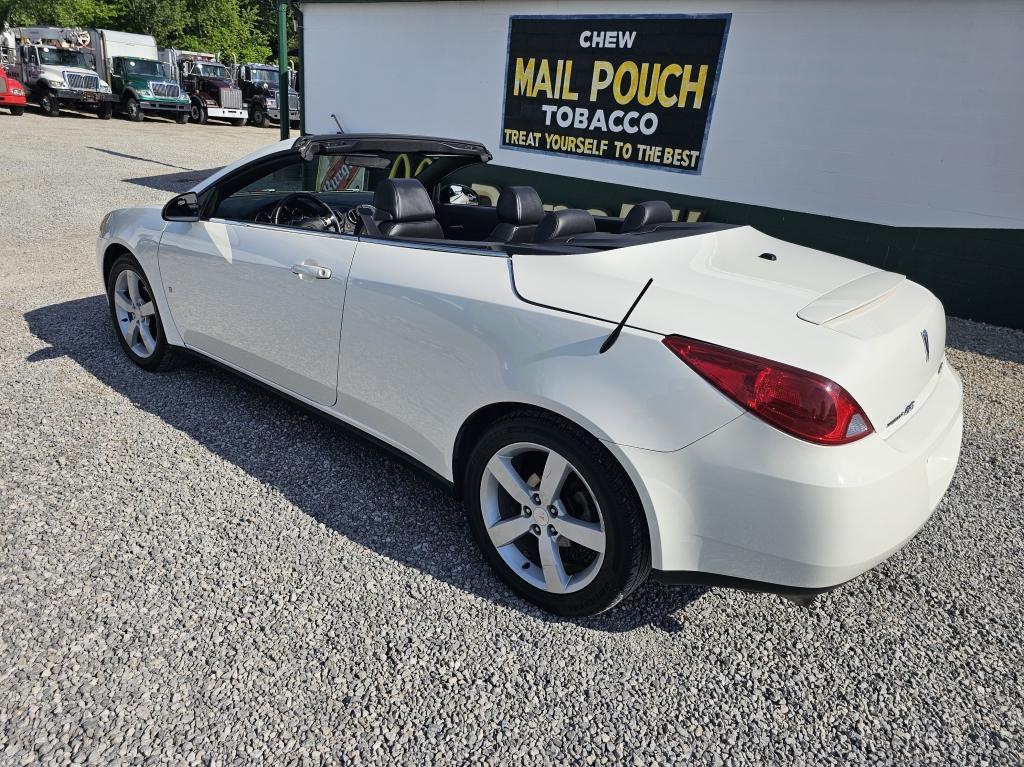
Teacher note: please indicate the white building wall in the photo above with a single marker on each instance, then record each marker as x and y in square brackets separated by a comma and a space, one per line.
[893, 112]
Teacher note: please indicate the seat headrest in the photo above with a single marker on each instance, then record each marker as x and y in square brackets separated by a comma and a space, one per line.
[520, 205]
[564, 223]
[647, 214]
[403, 199]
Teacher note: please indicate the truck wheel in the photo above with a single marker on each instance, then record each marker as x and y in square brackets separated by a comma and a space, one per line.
[197, 114]
[133, 109]
[105, 110]
[49, 104]
[238, 122]
[258, 118]
[17, 111]
[181, 118]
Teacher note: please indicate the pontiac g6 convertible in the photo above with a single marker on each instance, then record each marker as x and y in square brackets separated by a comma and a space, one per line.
[608, 395]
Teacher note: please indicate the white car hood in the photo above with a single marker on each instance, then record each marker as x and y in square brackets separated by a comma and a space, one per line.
[857, 325]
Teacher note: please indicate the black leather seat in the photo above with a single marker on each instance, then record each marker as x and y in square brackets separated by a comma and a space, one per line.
[563, 224]
[647, 214]
[404, 209]
[520, 209]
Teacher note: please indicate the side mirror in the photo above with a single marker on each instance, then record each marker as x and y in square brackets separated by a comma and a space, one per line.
[458, 194]
[184, 207]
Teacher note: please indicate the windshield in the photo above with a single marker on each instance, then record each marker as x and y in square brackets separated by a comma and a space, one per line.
[61, 57]
[207, 69]
[143, 67]
[264, 75]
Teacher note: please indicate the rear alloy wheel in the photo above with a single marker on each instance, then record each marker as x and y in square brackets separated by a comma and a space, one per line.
[133, 109]
[136, 316]
[555, 515]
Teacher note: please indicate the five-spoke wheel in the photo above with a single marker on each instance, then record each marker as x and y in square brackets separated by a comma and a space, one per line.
[555, 514]
[542, 517]
[135, 315]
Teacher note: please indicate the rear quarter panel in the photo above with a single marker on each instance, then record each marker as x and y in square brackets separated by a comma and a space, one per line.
[430, 336]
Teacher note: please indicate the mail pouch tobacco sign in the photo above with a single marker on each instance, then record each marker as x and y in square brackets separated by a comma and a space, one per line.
[633, 89]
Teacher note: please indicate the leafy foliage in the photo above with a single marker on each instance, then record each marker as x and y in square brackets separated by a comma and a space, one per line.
[235, 29]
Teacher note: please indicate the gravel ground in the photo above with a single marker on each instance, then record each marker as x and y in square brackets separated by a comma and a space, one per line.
[181, 584]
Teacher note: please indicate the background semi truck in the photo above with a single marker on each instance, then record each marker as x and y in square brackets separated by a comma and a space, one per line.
[137, 77]
[212, 94]
[259, 86]
[58, 67]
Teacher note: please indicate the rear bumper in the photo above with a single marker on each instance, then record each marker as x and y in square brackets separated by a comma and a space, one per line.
[749, 502]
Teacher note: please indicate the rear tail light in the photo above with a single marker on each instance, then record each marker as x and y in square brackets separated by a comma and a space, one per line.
[799, 403]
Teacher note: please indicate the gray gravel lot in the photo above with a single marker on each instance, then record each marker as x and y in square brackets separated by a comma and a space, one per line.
[195, 572]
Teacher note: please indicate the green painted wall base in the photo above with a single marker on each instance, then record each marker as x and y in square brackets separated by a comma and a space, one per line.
[978, 274]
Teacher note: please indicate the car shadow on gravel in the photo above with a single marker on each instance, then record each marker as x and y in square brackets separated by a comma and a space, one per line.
[284, 446]
[175, 183]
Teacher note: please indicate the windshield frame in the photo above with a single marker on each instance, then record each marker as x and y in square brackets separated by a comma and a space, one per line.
[129, 71]
[201, 66]
[77, 58]
[271, 75]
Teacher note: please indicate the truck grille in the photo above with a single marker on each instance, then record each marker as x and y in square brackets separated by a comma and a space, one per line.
[165, 90]
[230, 98]
[293, 102]
[82, 82]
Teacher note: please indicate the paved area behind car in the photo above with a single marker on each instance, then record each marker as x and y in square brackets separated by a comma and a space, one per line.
[194, 571]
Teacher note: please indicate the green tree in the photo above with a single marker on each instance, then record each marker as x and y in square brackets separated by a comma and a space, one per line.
[166, 20]
[228, 27]
[58, 13]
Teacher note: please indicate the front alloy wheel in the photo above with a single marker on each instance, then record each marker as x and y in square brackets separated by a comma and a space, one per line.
[136, 316]
[555, 514]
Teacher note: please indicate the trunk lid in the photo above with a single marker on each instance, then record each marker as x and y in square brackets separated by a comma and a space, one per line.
[859, 326]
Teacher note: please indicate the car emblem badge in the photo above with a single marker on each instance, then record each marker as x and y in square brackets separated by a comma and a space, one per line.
[927, 347]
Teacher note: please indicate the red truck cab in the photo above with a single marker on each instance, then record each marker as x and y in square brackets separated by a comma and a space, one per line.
[12, 93]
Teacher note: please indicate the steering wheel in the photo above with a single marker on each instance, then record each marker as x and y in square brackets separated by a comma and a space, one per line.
[319, 221]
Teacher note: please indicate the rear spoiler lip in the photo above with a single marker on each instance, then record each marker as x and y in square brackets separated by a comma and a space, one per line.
[850, 297]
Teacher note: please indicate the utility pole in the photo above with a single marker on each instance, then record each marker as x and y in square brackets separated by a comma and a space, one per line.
[283, 94]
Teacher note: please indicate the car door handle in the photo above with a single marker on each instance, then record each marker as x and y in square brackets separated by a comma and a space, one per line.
[311, 272]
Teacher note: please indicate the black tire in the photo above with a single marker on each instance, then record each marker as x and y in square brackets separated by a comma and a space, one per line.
[238, 122]
[164, 356]
[627, 555]
[49, 103]
[181, 118]
[197, 113]
[133, 109]
[258, 117]
[17, 111]
[105, 110]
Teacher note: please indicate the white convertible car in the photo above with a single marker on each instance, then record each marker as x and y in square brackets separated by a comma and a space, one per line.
[608, 396]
